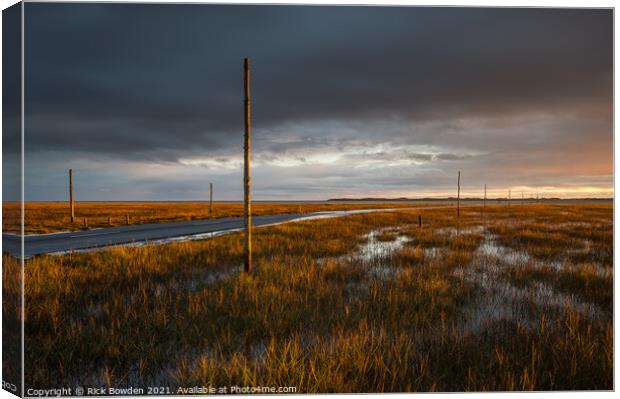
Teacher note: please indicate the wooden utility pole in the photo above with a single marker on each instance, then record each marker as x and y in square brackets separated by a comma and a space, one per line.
[508, 196]
[484, 199]
[210, 198]
[247, 208]
[458, 196]
[522, 199]
[71, 204]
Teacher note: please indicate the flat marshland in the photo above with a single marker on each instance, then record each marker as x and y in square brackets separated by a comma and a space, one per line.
[520, 299]
[49, 217]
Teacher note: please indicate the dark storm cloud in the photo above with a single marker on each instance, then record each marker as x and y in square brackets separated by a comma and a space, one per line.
[159, 82]
[11, 103]
[145, 101]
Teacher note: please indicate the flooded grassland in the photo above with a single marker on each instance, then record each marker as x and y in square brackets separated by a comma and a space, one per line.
[519, 298]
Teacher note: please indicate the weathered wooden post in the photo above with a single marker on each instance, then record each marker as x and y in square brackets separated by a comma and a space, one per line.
[522, 199]
[85, 222]
[420, 221]
[247, 215]
[109, 221]
[71, 204]
[127, 218]
[458, 196]
[508, 196]
[210, 198]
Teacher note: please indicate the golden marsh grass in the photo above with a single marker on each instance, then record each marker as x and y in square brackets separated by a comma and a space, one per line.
[519, 300]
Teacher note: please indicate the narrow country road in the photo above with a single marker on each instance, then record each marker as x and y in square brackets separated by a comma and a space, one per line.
[37, 244]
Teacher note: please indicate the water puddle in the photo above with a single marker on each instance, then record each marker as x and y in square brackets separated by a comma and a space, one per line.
[432, 252]
[490, 248]
[376, 251]
[503, 300]
[456, 231]
[375, 254]
[198, 279]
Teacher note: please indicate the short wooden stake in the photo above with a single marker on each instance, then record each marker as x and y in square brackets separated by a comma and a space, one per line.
[110, 221]
[85, 222]
[126, 219]
[420, 221]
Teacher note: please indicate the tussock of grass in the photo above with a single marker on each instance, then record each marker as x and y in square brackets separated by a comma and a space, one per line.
[427, 238]
[466, 242]
[409, 256]
[525, 275]
[386, 236]
[588, 283]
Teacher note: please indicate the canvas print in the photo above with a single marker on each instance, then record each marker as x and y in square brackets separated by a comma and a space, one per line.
[291, 199]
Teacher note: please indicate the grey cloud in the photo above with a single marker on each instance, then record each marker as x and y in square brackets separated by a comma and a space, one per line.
[452, 157]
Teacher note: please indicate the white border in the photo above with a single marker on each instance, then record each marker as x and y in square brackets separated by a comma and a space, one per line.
[479, 3]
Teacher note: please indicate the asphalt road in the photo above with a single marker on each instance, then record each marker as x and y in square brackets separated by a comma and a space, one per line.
[37, 244]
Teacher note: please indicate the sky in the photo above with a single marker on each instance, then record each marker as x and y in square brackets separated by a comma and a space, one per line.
[145, 102]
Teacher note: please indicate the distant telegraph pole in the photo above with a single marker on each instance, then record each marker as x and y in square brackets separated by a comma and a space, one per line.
[484, 199]
[508, 196]
[458, 196]
[210, 198]
[247, 215]
[71, 204]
